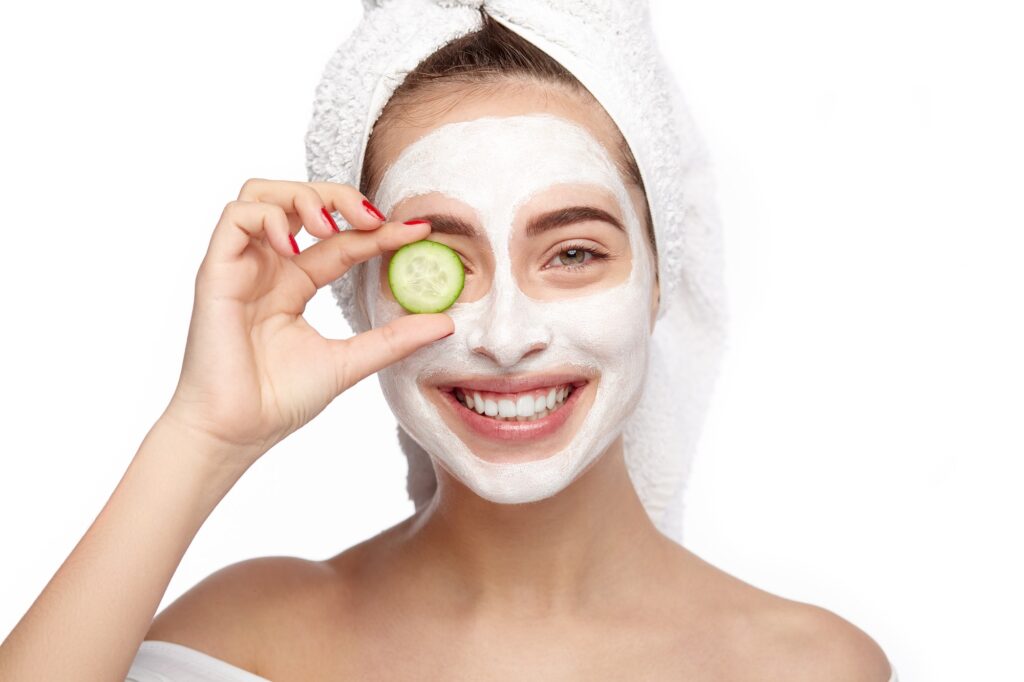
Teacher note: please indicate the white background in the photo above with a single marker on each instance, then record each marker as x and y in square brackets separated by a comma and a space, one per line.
[864, 448]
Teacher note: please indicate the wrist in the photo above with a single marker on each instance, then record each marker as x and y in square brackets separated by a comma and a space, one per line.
[196, 455]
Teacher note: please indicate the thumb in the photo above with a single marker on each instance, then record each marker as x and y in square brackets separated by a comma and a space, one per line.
[363, 354]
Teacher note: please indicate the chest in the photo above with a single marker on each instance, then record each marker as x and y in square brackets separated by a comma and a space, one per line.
[511, 649]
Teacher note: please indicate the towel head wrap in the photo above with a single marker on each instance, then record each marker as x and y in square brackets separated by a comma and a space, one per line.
[608, 45]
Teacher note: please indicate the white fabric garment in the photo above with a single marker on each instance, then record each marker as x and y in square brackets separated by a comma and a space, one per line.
[610, 47]
[169, 662]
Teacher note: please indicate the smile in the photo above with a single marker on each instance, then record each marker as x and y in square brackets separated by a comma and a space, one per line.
[514, 408]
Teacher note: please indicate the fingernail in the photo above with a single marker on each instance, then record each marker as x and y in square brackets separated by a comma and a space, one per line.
[372, 210]
[416, 222]
[330, 221]
[295, 247]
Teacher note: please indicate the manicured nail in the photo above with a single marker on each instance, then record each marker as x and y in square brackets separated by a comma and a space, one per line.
[295, 247]
[416, 222]
[330, 221]
[372, 210]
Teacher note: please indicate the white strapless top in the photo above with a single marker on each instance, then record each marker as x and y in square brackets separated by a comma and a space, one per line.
[169, 662]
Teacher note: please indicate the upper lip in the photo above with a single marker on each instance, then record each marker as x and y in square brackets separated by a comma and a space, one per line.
[512, 384]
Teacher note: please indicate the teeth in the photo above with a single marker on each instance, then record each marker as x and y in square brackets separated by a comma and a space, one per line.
[506, 409]
[490, 408]
[526, 407]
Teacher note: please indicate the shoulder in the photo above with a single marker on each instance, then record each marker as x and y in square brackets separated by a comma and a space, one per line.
[763, 636]
[801, 642]
[231, 613]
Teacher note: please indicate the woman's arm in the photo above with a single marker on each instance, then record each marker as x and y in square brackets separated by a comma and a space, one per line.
[254, 371]
[89, 621]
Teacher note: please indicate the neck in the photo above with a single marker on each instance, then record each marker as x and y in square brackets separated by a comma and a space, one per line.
[585, 543]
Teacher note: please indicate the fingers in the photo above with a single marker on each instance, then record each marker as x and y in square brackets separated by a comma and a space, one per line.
[243, 221]
[277, 209]
[366, 353]
[308, 199]
[329, 259]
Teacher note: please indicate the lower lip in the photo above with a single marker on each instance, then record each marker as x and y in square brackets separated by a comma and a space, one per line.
[501, 429]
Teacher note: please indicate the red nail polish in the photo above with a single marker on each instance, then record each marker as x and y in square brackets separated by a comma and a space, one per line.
[416, 222]
[334, 225]
[295, 247]
[372, 210]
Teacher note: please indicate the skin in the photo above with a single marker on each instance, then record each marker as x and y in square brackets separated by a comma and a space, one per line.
[544, 267]
[577, 586]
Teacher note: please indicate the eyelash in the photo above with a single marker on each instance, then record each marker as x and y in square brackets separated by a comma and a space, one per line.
[595, 254]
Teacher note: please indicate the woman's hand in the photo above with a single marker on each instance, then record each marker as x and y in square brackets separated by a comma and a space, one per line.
[254, 370]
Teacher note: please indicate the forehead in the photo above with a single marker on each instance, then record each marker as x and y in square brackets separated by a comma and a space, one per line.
[495, 163]
[443, 103]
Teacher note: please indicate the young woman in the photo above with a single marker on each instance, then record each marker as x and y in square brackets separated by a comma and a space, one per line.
[539, 548]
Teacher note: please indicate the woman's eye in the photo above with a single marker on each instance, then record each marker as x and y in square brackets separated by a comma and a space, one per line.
[573, 256]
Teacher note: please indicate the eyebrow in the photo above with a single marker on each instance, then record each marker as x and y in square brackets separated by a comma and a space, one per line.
[567, 216]
[445, 223]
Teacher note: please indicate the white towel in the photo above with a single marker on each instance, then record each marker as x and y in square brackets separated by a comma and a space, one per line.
[610, 47]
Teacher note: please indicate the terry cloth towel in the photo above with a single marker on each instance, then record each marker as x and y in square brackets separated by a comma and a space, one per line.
[610, 47]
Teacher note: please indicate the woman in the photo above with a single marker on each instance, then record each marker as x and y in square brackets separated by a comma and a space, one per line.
[546, 415]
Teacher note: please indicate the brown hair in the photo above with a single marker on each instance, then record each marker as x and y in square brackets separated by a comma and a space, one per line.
[491, 54]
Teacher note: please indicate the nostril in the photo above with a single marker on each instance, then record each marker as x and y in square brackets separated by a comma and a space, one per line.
[535, 348]
[507, 357]
[507, 338]
[481, 350]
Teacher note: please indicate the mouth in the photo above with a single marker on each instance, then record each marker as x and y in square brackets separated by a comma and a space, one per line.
[520, 408]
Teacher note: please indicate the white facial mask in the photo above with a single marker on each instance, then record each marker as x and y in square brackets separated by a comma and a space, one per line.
[495, 165]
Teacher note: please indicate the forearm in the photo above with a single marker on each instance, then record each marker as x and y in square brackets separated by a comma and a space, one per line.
[89, 621]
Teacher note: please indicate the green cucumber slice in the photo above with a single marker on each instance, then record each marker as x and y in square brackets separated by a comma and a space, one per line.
[426, 276]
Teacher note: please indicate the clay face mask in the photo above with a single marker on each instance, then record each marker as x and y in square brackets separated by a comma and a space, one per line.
[494, 166]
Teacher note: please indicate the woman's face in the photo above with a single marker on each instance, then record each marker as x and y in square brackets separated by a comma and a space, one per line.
[550, 345]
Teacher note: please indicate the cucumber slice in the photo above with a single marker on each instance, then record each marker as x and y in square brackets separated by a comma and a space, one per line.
[426, 276]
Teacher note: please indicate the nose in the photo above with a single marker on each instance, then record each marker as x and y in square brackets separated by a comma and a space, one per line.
[510, 330]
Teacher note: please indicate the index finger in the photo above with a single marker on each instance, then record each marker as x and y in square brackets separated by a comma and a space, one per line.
[329, 259]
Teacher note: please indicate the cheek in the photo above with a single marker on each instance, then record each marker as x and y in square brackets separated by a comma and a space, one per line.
[380, 303]
[611, 326]
[381, 284]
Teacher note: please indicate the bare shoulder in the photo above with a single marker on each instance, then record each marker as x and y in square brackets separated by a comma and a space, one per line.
[230, 613]
[799, 642]
[763, 636]
[817, 644]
